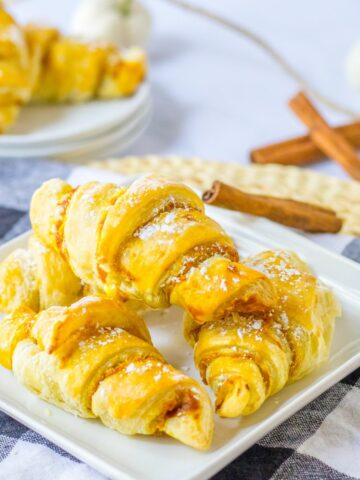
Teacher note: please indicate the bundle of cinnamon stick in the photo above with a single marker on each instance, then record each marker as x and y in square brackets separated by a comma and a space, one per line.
[322, 141]
[302, 151]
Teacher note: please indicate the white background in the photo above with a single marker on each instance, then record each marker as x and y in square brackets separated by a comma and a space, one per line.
[216, 95]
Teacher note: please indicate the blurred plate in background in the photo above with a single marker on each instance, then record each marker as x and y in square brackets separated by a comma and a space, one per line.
[54, 130]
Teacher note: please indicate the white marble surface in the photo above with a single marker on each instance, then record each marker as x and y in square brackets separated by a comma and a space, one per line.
[216, 95]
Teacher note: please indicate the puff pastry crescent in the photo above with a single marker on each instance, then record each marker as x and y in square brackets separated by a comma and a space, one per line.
[95, 359]
[150, 242]
[38, 64]
[245, 358]
[37, 277]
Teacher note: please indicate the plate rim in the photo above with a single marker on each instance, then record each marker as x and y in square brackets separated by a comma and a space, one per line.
[25, 140]
[116, 144]
[87, 144]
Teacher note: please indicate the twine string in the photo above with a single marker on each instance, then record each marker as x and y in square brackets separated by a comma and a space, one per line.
[267, 48]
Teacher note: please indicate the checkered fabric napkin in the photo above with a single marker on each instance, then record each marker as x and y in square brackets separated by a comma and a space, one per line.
[321, 441]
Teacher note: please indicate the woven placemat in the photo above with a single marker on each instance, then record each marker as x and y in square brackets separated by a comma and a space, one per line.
[277, 180]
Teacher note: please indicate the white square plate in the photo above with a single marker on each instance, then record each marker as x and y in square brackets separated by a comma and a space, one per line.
[147, 458]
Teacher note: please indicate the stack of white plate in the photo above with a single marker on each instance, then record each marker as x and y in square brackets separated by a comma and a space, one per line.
[75, 132]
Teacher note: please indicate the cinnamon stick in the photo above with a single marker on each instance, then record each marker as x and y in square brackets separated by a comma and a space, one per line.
[327, 139]
[302, 150]
[291, 213]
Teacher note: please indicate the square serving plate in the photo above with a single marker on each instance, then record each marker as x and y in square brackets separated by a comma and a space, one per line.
[149, 458]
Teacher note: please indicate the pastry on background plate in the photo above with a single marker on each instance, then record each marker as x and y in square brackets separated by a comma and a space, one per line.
[39, 64]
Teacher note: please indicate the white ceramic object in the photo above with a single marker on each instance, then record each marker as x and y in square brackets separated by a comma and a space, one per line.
[126, 23]
[78, 146]
[50, 124]
[146, 458]
[352, 66]
[114, 144]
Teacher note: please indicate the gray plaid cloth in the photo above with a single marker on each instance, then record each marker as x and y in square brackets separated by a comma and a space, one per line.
[321, 441]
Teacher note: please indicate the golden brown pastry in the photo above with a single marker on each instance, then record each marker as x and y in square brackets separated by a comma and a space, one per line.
[39, 40]
[123, 73]
[255, 325]
[38, 64]
[74, 71]
[14, 64]
[245, 358]
[37, 277]
[150, 242]
[95, 359]
[8, 116]
[14, 328]
[71, 72]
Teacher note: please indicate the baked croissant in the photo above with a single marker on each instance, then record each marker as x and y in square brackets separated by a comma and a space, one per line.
[151, 242]
[14, 85]
[37, 277]
[95, 359]
[38, 64]
[73, 71]
[245, 358]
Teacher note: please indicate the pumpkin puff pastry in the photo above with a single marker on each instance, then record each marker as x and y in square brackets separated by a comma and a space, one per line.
[73, 72]
[95, 359]
[245, 358]
[14, 64]
[38, 64]
[151, 242]
[37, 277]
